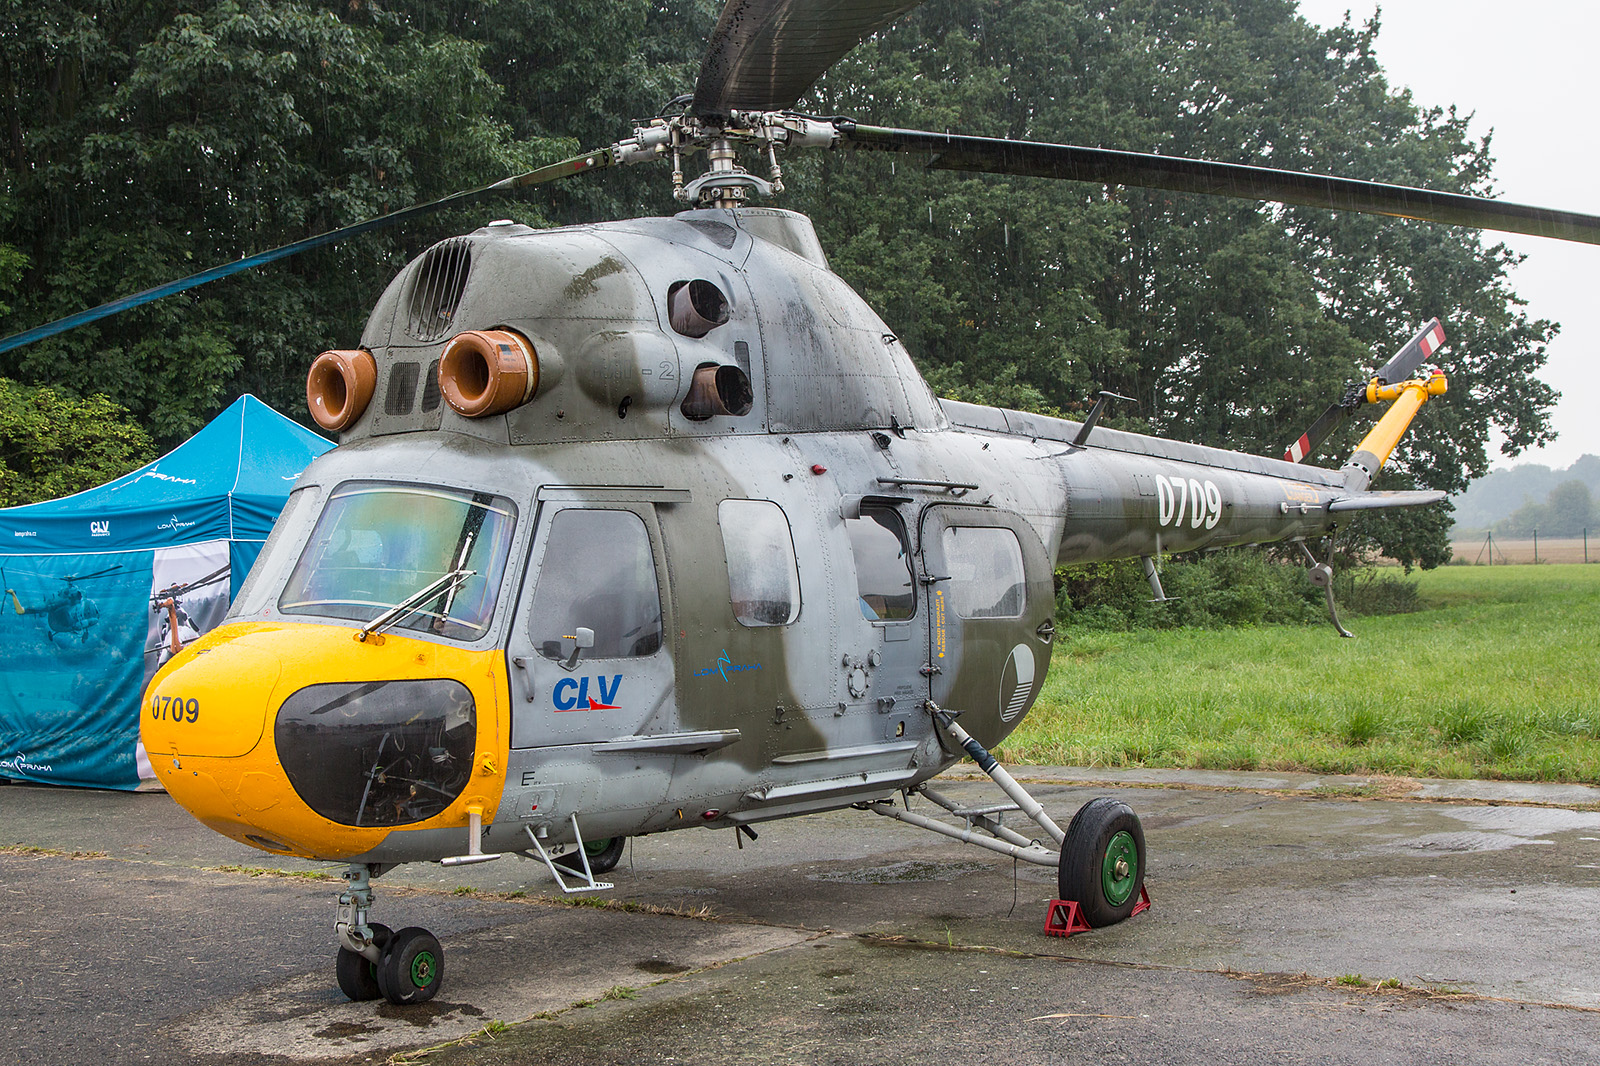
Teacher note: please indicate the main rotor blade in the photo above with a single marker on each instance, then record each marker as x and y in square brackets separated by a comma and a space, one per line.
[990, 155]
[86, 577]
[565, 168]
[765, 53]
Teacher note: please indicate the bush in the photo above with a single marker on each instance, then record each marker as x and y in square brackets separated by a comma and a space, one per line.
[1376, 591]
[1211, 591]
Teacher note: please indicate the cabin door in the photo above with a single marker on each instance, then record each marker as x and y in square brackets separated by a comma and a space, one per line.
[588, 657]
[991, 609]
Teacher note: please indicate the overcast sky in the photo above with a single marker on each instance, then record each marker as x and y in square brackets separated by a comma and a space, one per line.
[1527, 70]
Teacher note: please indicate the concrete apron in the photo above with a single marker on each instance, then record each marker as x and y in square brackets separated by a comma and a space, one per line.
[185, 959]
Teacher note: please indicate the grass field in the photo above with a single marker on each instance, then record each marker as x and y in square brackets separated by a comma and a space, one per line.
[1498, 678]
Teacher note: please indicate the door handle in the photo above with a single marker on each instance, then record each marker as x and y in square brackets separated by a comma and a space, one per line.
[527, 676]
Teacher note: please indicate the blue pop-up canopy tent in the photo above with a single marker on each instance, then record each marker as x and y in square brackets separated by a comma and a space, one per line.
[103, 586]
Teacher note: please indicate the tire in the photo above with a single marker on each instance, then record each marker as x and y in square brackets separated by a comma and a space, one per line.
[358, 976]
[412, 967]
[1102, 861]
[603, 856]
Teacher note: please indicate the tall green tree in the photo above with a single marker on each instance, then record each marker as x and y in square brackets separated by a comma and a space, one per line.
[148, 141]
[53, 445]
[144, 141]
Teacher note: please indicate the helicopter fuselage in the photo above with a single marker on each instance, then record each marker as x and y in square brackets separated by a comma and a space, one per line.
[681, 611]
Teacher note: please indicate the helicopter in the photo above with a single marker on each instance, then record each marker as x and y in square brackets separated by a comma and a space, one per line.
[173, 623]
[67, 612]
[642, 525]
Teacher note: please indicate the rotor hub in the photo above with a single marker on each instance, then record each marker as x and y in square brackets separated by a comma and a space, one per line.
[725, 183]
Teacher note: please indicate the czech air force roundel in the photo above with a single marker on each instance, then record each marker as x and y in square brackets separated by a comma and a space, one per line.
[1016, 682]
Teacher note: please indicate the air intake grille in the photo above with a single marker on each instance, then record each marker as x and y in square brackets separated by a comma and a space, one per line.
[436, 289]
[402, 391]
[430, 388]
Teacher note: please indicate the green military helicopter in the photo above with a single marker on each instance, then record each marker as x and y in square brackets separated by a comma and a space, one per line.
[649, 524]
[66, 612]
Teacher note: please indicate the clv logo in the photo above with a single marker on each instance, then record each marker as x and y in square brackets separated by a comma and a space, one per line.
[101, 528]
[573, 693]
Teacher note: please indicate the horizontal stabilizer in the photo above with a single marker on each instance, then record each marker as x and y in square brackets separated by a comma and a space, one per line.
[1373, 501]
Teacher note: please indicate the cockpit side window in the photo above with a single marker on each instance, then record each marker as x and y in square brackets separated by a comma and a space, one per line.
[763, 579]
[886, 590]
[598, 574]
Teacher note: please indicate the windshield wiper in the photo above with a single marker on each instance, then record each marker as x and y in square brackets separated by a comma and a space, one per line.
[446, 584]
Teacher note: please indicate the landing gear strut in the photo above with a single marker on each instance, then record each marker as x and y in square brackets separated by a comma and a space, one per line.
[1099, 858]
[404, 967]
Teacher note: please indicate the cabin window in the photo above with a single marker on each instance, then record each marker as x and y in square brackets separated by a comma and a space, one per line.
[885, 589]
[986, 576]
[377, 545]
[598, 574]
[763, 578]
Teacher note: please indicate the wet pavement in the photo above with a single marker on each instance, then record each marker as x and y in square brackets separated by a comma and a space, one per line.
[132, 934]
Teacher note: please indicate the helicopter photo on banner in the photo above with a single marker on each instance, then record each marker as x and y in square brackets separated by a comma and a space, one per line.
[188, 597]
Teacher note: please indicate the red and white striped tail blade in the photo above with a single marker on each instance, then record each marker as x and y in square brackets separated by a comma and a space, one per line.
[1312, 439]
[1429, 339]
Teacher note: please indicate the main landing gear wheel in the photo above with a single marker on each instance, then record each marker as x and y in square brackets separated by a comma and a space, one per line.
[412, 967]
[603, 856]
[358, 975]
[1102, 861]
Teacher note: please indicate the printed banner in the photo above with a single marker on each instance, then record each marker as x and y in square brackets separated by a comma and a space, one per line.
[189, 593]
[74, 630]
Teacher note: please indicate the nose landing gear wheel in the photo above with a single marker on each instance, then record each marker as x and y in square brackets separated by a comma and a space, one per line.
[412, 967]
[603, 855]
[358, 975]
[1102, 861]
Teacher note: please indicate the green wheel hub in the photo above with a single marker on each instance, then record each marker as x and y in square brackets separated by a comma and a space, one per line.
[422, 969]
[1119, 870]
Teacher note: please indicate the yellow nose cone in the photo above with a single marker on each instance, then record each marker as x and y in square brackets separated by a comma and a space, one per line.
[211, 704]
[214, 718]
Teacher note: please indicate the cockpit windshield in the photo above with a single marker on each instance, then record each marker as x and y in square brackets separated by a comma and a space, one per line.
[377, 543]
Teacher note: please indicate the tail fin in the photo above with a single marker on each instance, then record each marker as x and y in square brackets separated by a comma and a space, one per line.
[1405, 362]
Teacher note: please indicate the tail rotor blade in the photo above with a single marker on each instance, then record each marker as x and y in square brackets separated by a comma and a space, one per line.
[1320, 430]
[1429, 339]
[1404, 364]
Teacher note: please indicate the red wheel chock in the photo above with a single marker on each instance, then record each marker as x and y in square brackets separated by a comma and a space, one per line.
[1065, 917]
